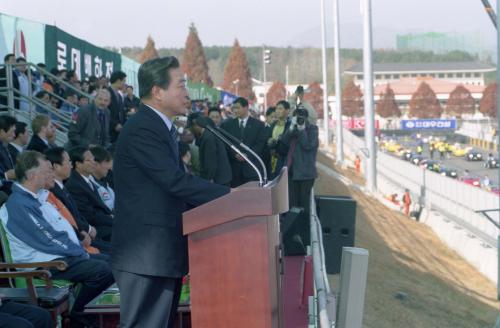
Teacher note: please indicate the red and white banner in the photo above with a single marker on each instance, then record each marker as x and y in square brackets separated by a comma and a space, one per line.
[354, 124]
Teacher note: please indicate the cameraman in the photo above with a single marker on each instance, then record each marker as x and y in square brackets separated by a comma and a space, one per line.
[297, 100]
[302, 141]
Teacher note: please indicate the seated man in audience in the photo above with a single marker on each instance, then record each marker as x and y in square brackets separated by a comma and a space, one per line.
[17, 315]
[85, 194]
[7, 174]
[61, 164]
[103, 163]
[21, 139]
[33, 239]
[43, 132]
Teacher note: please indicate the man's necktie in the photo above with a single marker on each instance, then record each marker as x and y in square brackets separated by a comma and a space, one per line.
[102, 123]
[242, 129]
[173, 135]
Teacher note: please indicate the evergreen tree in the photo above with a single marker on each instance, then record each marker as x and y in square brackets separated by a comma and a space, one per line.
[352, 100]
[489, 101]
[315, 98]
[276, 93]
[460, 102]
[149, 51]
[424, 103]
[237, 78]
[387, 106]
[194, 63]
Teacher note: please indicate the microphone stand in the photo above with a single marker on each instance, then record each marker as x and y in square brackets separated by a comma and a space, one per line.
[245, 147]
[234, 148]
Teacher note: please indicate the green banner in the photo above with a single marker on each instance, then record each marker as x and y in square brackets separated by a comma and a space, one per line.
[64, 51]
[201, 91]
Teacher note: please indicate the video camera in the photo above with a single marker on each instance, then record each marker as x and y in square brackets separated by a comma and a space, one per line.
[301, 114]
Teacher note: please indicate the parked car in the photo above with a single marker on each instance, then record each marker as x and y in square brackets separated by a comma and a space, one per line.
[473, 181]
[416, 159]
[407, 155]
[430, 165]
[492, 163]
[473, 155]
[448, 172]
[459, 151]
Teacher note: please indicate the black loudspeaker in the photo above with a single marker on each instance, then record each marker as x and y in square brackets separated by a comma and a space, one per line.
[337, 215]
[295, 232]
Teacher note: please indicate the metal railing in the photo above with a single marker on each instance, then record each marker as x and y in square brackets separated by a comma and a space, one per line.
[32, 105]
[326, 311]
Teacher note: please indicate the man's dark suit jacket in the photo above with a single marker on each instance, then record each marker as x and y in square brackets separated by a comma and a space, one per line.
[89, 203]
[117, 113]
[70, 204]
[37, 144]
[87, 129]
[3, 84]
[254, 136]
[152, 191]
[214, 164]
[13, 153]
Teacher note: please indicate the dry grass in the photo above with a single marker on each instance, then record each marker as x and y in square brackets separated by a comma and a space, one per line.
[406, 256]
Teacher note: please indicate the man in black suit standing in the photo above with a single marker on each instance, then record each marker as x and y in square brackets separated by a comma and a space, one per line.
[252, 132]
[117, 106]
[84, 192]
[43, 131]
[92, 123]
[149, 254]
[8, 59]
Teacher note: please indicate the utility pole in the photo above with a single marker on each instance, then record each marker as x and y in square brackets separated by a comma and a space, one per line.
[338, 90]
[498, 132]
[286, 80]
[266, 59]
[325, 85]
[371, 168]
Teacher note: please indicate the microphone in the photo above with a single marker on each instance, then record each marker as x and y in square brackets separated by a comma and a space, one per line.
[245, 147]
[207, 124]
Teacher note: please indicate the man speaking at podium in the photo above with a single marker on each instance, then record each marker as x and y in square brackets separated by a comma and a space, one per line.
[149, 255]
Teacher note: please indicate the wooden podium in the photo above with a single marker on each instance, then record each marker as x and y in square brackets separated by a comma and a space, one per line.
[234, 257]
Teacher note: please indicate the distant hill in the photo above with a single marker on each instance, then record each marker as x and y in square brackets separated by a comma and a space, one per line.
[304, 64]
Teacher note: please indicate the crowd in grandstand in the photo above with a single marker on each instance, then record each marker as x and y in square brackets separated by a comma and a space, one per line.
[59, 199]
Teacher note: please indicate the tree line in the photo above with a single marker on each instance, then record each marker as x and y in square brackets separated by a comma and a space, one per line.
[232, 68]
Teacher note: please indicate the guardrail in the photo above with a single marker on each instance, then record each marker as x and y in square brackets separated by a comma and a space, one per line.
[326, 306]
[32, 105]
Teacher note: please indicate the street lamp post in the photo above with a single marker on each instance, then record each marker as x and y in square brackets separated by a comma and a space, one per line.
[266, 59]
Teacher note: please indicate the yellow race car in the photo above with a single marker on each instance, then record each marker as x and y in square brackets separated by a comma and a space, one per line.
[393, 147]
[459, 151]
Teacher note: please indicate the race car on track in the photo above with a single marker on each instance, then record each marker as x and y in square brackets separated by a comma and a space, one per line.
[492, 163]
[473, 155]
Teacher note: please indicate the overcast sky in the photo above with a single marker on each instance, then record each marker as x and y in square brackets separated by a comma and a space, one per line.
[253, 22]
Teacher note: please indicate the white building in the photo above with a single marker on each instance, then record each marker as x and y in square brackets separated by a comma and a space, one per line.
[467, 73]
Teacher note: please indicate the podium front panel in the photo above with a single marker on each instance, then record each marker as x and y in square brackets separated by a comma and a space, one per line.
[233, 274]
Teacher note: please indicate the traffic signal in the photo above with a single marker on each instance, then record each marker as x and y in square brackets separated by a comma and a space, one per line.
[267, 56]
